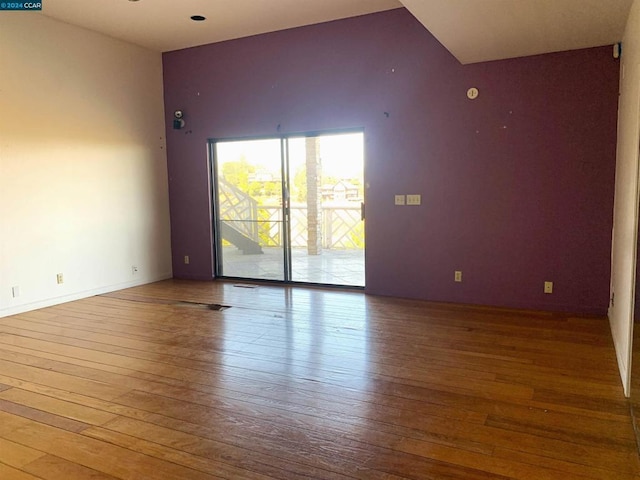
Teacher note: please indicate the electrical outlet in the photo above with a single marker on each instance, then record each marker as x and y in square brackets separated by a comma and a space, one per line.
[457, 276]
[548, 287]
[15, 291]
[414, 199]
[60, 279]
[134, 270]
[399, 200]
[186, 259]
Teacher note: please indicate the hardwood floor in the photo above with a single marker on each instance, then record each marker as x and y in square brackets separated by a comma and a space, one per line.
[295, 383]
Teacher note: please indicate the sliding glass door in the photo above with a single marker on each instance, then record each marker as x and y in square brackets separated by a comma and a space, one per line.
[290, 208]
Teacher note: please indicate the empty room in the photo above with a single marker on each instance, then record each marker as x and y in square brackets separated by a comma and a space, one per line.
[364, 239]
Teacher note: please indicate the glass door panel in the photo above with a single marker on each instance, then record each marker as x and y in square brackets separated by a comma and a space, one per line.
[250, 220]
[326, 201]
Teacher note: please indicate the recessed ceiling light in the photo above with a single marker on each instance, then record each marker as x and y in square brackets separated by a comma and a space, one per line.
[198, 18]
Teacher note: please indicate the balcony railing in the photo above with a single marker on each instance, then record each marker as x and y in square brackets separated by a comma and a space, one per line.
[342, 227]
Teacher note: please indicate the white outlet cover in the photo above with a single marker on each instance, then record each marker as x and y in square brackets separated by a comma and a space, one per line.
[472, 93]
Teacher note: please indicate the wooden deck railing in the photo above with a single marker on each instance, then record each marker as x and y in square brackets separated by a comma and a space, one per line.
[342, 227]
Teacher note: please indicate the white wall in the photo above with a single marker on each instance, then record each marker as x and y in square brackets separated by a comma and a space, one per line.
[83, 177]
[626, 201]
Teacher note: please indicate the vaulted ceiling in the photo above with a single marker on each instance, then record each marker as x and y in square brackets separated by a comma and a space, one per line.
[472, 30]
[481, 30]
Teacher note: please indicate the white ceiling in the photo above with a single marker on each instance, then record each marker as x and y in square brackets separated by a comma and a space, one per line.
[472, 30]
[165, 25]
[481, 30]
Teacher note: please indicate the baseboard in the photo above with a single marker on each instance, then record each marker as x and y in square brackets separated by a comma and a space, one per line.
[623, 366]
[202, 278]
[49, 302]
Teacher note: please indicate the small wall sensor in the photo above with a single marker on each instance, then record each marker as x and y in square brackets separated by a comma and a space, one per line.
[178, 121]
[617, 50]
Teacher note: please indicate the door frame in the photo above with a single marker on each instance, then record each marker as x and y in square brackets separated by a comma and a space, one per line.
[286, 210]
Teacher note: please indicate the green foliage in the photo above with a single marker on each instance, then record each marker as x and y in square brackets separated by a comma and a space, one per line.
[299, 188]
[237, 173]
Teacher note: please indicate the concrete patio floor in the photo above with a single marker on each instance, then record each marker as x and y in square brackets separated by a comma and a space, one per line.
[332, 267]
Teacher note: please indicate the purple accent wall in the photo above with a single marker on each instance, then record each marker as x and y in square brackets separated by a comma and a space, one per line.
[517, 186]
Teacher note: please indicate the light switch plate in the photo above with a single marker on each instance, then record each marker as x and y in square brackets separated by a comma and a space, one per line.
[414, 199]
[399, 200]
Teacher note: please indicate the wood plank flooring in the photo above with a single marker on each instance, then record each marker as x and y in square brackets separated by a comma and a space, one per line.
[299, 383]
